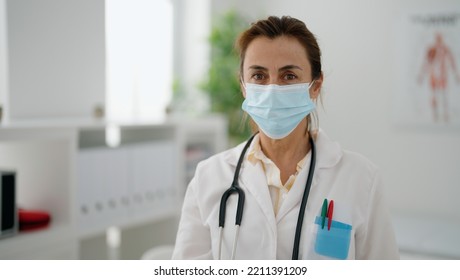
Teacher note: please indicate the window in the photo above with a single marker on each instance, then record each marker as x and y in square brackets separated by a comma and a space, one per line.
[139, 43]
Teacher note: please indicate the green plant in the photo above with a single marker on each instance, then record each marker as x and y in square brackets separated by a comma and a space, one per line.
[222, 83]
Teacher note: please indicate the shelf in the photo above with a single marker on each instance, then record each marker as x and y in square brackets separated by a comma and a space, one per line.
[69, 171]
[41, 244]
[43, 161]
[201, 139]
[129, 222]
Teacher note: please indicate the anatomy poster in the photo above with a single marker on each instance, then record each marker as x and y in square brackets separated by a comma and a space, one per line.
[428, 74]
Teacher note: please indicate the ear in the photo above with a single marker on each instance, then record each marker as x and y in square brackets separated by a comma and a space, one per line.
[315, 90]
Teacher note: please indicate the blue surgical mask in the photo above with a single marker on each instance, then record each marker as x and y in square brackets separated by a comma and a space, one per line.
[278, 110]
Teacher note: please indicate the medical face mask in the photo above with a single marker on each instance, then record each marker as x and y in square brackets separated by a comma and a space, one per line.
[277, 110]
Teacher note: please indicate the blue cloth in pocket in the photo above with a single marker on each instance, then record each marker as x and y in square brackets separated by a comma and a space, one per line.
[335, 242]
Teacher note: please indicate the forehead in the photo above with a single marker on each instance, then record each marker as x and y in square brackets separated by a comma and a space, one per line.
[276, 53]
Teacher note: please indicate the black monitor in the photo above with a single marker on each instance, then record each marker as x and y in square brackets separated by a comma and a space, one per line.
[8, 211]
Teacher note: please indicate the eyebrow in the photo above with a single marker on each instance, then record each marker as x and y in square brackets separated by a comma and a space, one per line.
[257, 67]
[284, 68]
[289, 67]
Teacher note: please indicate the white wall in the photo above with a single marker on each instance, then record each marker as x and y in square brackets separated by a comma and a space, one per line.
[56, 58]
[357, 37]
[191, 53]
[3, 59]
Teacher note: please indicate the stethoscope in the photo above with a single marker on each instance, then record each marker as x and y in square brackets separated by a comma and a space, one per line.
[235, 188]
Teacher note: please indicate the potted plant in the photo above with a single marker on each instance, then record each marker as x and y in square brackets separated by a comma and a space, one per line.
[222, 82]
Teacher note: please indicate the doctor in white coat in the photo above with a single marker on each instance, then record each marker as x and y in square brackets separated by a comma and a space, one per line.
[345, 215]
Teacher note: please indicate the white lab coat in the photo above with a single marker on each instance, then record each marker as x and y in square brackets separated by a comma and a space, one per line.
[349, 179]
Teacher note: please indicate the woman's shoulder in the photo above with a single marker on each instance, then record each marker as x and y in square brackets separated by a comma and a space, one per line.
[227, 157]
[214, 174]
[331, 153]
[354, 164]
[359, 160]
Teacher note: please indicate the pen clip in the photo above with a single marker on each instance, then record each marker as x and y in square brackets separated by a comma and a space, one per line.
[330, 211]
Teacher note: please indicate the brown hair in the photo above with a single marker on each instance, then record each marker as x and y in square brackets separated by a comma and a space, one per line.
[274, 27]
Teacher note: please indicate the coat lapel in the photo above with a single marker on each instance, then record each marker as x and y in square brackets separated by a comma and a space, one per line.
[252, 180]
[294, 197]
[328, 154]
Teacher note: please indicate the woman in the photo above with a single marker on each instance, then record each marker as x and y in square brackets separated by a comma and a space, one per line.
[344, 217]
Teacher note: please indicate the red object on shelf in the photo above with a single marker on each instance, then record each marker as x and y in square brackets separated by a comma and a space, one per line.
[33, 219]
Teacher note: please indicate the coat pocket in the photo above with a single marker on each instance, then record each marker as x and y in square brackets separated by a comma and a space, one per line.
[333, 242]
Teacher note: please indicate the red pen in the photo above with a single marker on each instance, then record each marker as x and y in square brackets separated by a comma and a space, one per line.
[330, 210]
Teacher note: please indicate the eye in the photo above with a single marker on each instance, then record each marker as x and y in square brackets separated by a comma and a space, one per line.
[258, 76]
[290, 77]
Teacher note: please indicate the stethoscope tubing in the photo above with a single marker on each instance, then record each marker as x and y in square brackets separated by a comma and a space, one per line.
[235, 188]
[303, 204]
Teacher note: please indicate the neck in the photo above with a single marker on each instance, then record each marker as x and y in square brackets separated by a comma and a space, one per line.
[287, 152]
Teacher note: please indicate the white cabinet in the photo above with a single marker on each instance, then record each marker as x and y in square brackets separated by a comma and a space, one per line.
[70, 172]
[131, 184]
